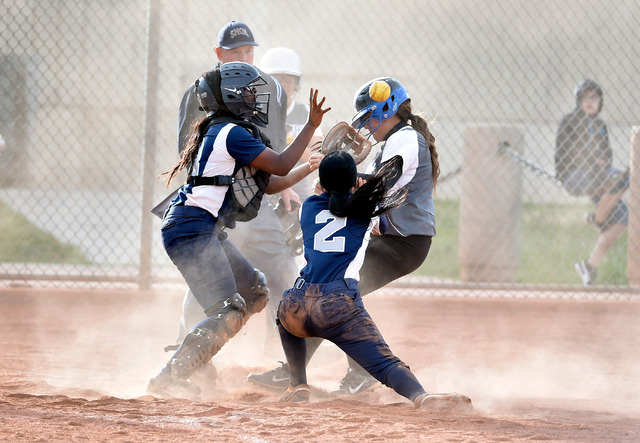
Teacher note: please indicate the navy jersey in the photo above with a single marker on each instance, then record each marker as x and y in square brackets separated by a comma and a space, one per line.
[224, 145]
[334, 247]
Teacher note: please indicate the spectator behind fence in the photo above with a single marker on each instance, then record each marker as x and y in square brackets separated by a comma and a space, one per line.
[583, 159]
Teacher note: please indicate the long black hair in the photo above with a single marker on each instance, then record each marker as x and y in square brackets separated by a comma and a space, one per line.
[338, 174]
[199, 127]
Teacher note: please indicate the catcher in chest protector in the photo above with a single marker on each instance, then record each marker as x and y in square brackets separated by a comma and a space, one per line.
[404, 233]
[224, 283]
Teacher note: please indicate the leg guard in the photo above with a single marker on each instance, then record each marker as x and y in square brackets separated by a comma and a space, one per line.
[208, 337]
[257, 300]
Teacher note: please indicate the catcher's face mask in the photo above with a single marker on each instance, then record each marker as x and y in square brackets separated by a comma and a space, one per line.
[241, 87]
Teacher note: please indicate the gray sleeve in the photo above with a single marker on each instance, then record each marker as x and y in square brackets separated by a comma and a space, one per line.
[276, 130]
[188, 112]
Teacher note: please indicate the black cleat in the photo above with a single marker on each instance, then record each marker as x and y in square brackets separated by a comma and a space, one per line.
[355, 382]
[275, 379]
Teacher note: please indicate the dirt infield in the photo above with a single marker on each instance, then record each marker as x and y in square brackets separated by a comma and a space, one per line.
[75, 366]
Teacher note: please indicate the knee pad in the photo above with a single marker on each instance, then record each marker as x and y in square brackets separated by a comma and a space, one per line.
[257, 300]
[208, 337]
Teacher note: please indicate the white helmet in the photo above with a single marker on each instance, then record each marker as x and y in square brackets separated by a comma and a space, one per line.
[281, 61]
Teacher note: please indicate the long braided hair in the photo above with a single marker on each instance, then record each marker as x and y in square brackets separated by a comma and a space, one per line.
[419, 123]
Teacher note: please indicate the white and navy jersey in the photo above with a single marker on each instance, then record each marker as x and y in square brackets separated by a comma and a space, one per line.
[334, 246]
[417, 215]
[226, 147]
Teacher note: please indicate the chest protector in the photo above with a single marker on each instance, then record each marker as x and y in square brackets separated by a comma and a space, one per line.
[244, 196]
[246, 185]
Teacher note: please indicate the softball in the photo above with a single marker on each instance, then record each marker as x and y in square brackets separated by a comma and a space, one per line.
[379, 91]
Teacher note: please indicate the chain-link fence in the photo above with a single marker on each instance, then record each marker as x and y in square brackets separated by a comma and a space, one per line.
[90, 91]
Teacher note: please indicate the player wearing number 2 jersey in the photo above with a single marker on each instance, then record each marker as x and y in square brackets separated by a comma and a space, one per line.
[408, 145]
[325, 301]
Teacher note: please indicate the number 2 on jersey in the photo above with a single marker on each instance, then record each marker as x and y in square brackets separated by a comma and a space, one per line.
[321, 241]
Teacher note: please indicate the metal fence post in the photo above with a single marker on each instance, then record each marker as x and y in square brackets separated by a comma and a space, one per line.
[149, 143]
[633, 236]
[490, 206]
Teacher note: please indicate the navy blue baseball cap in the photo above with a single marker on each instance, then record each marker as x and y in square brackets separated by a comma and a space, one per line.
[235, 34]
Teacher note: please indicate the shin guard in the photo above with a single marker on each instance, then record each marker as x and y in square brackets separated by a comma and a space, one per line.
[257, 300]
[208, 337]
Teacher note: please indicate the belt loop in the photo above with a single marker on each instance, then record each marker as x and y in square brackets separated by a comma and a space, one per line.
[299, 284]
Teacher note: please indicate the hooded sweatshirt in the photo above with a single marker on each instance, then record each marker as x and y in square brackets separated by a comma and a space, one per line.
[582, 140]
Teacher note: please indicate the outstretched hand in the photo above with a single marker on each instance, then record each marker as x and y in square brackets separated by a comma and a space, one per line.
[316, 113]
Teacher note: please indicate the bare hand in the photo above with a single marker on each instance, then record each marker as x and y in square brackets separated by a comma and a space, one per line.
[317, 187]
[316, 113]
[314, 161]
[289, 196]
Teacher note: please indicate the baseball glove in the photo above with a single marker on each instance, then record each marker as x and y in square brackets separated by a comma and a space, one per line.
[343, 137]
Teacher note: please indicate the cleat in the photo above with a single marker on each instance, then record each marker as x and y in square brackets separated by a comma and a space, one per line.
[276, 379]
[165, 386]
[588, 274]
[355, 382]
[296, 394]
[444, 402]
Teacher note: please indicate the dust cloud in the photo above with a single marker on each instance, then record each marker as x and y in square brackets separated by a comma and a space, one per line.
[544, 368]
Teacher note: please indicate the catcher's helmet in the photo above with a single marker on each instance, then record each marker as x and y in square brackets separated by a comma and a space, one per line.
[204, 92]
[233, 87]
[368, 108]
[238, 86]
[585, 85]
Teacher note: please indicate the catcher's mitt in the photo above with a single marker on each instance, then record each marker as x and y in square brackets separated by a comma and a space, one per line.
[343, 137]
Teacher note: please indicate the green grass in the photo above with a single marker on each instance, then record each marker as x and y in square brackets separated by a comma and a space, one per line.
[553, 237]
[442, 260]
[22, 242]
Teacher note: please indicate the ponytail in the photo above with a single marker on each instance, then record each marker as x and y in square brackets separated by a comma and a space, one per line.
[419, 123]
